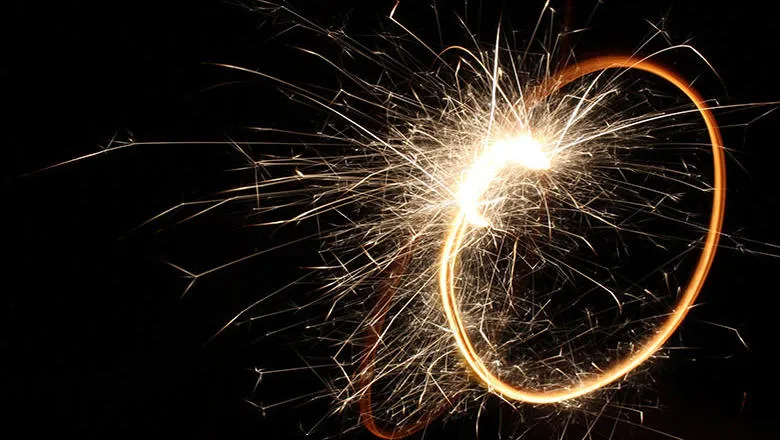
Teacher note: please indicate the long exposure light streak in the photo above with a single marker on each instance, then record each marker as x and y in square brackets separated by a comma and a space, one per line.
[460, 223]
[488, 221]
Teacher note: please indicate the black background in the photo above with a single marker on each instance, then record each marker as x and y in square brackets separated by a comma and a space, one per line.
[95, 339]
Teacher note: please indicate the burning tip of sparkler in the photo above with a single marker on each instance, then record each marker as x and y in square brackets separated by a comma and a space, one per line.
[522, 150]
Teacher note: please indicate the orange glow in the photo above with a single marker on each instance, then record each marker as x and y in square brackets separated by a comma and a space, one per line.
[366, 370]
[464, 217]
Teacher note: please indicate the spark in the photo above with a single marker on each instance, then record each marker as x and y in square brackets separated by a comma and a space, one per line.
[523, 150]
[465, 217]
[485, 171]
[476, 212]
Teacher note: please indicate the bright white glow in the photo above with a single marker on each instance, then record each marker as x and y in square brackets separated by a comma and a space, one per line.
[521, 150]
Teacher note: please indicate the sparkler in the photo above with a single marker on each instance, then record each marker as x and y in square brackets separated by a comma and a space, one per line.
[528, 153]
[476, 208]
[473, 205]
[435, 172]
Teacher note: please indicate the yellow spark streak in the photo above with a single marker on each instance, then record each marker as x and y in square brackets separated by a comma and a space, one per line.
[522, 150]
[483, 174]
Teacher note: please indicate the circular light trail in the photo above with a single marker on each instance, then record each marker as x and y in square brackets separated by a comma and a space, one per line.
[465, 216]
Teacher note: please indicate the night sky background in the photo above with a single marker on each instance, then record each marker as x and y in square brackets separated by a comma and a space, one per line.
[95, 338]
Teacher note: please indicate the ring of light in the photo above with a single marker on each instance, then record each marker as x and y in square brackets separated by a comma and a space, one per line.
[458, 226]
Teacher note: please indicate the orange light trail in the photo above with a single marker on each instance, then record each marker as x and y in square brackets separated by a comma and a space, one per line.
[366, 370]
[460, 224]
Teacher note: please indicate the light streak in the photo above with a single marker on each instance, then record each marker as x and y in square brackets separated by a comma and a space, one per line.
[522, 150]
[367, 365]
[436, 170]
[619, 369]
[446, 191]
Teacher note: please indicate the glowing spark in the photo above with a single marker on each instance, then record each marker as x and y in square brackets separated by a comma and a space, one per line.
[481, 200]
[458, 227]
[522, 150]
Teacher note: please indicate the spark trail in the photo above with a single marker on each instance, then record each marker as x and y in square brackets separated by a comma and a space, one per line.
[493, 221]
[531, 158]
[483, 210]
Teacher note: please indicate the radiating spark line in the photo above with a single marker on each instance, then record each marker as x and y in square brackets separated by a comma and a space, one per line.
[443, 192]
[459, 227]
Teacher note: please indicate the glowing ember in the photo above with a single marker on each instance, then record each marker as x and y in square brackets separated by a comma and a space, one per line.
[521, 150]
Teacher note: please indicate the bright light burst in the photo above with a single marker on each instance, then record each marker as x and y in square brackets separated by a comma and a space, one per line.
[522, 150]
[484, 207]
[529, 152]
[536, 223]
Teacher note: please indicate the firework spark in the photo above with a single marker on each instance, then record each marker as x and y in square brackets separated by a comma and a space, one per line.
[481, 214]
[477, 208]
[517, 171]
[529, 153]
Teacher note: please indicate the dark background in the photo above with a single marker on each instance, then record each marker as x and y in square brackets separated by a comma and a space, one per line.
[95, 339]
